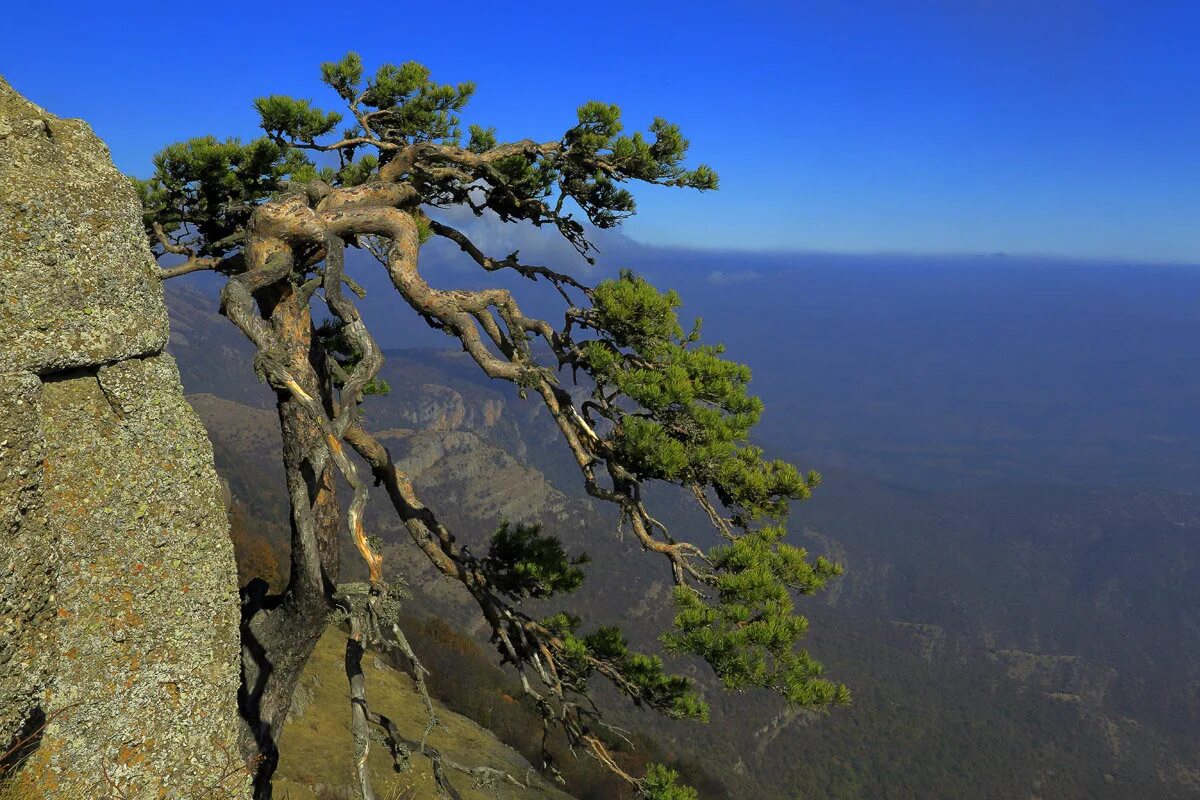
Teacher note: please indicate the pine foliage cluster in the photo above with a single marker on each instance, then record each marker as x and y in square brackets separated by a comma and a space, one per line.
[682, 413]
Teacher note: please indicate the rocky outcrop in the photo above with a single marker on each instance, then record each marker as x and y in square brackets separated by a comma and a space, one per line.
[480, 480]
[118, 597]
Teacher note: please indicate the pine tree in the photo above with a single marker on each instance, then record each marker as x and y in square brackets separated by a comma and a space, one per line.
[274, 216]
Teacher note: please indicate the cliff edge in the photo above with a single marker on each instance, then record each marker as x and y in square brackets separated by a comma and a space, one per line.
[119, 613]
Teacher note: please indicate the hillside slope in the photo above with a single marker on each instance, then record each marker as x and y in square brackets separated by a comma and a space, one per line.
[1026, 641]
[318, 753]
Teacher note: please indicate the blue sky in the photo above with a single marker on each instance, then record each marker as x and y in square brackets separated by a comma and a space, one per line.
[1056, 127]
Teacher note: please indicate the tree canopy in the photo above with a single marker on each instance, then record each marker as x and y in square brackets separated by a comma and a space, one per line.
[636, 396]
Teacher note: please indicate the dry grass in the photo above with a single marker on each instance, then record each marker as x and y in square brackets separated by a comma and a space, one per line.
[316, 760]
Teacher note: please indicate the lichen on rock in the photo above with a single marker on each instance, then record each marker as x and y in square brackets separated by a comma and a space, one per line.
[119, 649]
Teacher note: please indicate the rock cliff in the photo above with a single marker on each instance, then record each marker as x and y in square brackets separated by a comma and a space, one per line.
[118, 594]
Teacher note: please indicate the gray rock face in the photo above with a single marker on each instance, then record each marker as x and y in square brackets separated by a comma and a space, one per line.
[119, 650]
[78, 277]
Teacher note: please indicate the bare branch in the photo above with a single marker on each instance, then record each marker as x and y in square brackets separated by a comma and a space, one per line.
[492, 265]
[193, 264]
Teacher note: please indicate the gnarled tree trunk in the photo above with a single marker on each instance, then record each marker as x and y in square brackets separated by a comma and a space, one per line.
[279, 632]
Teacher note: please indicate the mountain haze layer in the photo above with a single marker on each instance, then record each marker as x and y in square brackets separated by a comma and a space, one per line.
[1008, 450]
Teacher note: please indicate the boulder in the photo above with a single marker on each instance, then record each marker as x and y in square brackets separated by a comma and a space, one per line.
[119, 610]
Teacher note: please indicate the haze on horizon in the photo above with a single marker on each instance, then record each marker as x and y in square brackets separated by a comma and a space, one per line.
[950, 126]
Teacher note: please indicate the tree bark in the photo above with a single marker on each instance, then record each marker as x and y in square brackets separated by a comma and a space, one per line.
[280, 632]
[359, 728]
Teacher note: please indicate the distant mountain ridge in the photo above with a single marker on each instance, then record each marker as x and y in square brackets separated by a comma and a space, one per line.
[1017, 639]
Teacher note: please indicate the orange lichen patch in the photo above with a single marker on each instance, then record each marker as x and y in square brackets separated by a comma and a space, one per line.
[72, 653]
[37, 778]
[62, 612]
